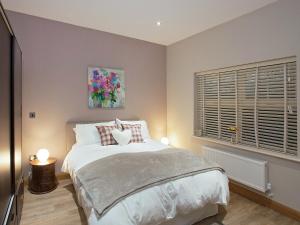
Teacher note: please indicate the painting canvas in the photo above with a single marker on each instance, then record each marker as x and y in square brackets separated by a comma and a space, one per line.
[106, 87]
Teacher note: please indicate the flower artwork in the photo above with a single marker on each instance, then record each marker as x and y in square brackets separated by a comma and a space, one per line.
[106, 87]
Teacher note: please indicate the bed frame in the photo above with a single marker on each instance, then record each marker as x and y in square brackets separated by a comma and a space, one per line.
[70, 135]
[207, 215]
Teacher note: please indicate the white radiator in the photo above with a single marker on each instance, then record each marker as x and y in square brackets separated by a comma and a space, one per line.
[248, 171]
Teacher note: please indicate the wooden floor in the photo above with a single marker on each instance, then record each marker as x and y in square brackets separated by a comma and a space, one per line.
[59, 208]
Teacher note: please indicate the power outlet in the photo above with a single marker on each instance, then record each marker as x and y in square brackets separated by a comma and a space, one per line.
[32, 157]
[32, 115]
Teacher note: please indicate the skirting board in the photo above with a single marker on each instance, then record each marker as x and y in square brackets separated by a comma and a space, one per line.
[263, 200]
[62, 176]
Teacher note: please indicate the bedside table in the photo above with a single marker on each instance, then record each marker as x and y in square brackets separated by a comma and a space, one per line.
[42, 179]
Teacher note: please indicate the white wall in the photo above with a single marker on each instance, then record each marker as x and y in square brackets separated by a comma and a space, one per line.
[269, 33]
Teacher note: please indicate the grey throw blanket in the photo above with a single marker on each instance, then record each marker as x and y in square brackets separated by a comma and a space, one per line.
[109, 180]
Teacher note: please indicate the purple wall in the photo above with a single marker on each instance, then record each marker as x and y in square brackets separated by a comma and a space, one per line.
[55, 60]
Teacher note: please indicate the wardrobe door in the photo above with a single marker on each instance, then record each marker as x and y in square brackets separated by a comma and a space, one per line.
[17, 111]
[17, 128]
[5, 108]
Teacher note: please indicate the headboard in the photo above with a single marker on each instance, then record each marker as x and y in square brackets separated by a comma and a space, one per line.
[70, 135]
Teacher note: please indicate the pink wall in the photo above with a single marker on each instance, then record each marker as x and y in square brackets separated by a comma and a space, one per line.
[55, 60]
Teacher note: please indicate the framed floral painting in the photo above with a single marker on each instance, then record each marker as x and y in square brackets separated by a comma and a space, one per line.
[106, 87]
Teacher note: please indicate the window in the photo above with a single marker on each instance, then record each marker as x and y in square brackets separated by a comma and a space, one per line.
[253, 105]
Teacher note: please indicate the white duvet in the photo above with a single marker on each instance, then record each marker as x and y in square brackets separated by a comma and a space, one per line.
[156, 204]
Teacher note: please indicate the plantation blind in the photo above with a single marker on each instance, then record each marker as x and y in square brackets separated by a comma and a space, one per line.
[199, 100]
[211, 108]
[270, 107]
[246, 106]
[291, 108]
[227, 103]
[253, 105]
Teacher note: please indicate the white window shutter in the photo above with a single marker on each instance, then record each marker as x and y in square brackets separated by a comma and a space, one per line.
[199, 101]
[260, 100]
[270, 107]
[246, 106]
[227, 104]
[211, 126]
[291, 74]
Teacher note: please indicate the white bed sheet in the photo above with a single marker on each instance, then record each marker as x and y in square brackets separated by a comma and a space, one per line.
[156, 204]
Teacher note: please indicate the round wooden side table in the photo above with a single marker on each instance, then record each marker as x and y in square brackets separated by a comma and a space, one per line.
[42, 179]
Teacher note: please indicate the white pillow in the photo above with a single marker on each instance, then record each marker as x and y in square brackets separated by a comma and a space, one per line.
[122, 137]
[143, 123]
[88, 134]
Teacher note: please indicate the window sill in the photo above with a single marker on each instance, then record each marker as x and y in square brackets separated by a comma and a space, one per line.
[251, 149]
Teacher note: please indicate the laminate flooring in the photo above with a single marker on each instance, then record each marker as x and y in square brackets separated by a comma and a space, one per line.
[59, 208]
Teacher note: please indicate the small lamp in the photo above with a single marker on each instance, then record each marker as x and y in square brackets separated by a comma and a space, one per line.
[164, 140]
[42, 155]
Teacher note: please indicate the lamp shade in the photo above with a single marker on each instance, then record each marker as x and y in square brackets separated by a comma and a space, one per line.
[42, 155]
[164, 140]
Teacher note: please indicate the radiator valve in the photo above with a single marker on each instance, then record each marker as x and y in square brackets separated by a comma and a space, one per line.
[268, 192]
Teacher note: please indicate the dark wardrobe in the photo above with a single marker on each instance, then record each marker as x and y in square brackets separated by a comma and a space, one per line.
[11, 177]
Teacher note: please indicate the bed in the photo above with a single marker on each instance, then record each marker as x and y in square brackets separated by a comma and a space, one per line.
[197, 196]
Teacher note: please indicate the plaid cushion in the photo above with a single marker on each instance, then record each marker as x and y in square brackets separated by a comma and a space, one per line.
[105, 134]
[136, 134]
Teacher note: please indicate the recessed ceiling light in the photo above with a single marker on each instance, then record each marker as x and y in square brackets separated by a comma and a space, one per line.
[158, 23]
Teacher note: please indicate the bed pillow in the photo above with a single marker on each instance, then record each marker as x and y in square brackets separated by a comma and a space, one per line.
[106, 136]
[136, 134]
[143, 123]
[122, 137]
[88, 134]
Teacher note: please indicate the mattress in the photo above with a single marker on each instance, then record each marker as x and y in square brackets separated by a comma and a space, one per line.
[195, 197]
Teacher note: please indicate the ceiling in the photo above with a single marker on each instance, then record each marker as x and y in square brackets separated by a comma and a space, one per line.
[137, 18]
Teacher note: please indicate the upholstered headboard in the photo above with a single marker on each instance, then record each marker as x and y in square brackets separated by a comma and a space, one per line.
[70, 135]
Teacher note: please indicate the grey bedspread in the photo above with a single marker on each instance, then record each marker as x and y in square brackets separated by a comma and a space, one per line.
[109, 180]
